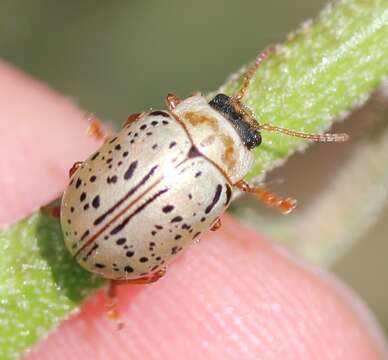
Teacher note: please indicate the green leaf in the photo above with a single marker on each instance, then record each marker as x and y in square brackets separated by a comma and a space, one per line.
[40, 283]
[317, 75]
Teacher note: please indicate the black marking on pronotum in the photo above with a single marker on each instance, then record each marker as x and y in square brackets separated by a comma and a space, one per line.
[100, 266]
[228, 194]
[101, 218]
[131, 169]
[119, 227]
[216, 197]
[224, 105]
[159, 113]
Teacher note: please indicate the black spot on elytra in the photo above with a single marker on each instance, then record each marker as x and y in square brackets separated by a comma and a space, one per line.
[154, 146]
[158, 258]
[96, 201]
[176, 219]
[121, 241]
[78, 183]
[165, 122]
[216, 197]
[111, 179]
[168, 208]
[203, 219]
[72, 209]
[198, 174]
[84, 235]
[153, 232]
[149, 133]
[82, 197]
[154, 123]
[125, 153]
[131, 169]
[185, 226]
[143, 127]
[159, 227]
[174, 250]
[93, 178]
[196, 235]
[86, 206]
[128, 269]
[228, 194]
[113, 140]
[118, 147]
[95, 156]
[143, 259]
[109, 160]
[130, 253]
[100, 266]
[172, 144]
[177, 237]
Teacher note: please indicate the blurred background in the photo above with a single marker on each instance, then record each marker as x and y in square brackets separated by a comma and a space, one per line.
[123, 58]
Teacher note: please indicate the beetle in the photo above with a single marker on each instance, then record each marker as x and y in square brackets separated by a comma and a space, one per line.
[151, 190]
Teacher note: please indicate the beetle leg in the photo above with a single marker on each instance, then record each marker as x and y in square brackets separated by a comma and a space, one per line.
[172, 101]
[111, 303]
[132, 118]
[216, 224]
[143, 280]
[269, 198]
[74, 168]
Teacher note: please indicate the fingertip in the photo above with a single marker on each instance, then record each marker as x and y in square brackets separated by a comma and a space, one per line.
[233, 296]
[42, 133]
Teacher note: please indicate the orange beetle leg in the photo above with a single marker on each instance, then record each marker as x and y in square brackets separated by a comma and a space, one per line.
[269, 198]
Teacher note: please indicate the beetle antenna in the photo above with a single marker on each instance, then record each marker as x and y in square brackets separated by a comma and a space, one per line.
[329, 137]
[248, 75]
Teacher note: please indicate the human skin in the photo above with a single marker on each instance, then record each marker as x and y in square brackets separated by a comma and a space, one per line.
[235, 295]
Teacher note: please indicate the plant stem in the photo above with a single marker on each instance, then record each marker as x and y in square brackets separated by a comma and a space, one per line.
[318, 74]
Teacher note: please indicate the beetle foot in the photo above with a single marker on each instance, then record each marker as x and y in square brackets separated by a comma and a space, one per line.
[285, 206]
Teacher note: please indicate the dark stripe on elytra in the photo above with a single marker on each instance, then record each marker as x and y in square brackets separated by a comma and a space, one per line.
[121, 226]
[101, 218]
[217, 196]
[228, 193]
[95, 246]
[159, 113]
